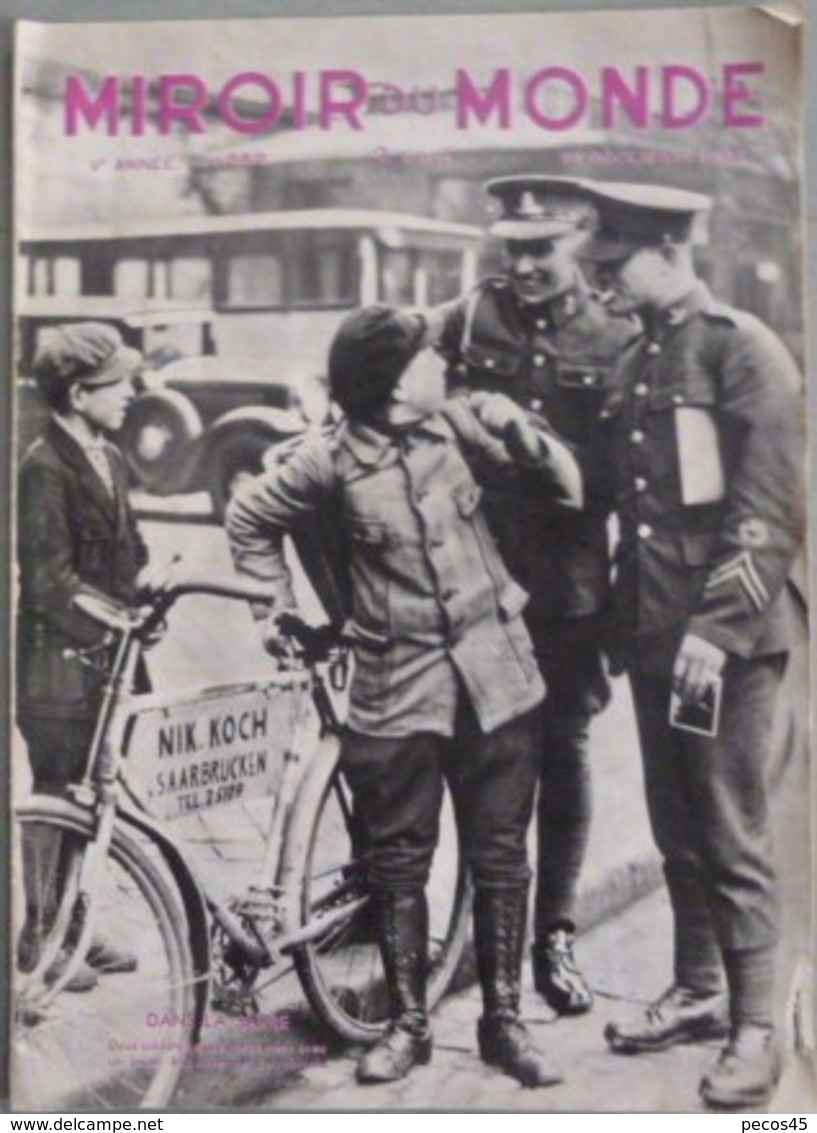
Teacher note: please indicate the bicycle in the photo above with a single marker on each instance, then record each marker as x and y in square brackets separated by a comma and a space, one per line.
[124, 875]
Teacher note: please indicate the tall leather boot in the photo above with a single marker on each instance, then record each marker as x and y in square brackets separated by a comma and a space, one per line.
[402, 921]
[499, 938]
[564, 811]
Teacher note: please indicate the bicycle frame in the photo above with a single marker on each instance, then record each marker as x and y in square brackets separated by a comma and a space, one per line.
[105, 793]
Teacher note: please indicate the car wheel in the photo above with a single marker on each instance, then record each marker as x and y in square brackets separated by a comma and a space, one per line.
[156, 439]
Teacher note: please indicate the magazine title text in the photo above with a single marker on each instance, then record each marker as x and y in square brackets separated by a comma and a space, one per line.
[554, 98]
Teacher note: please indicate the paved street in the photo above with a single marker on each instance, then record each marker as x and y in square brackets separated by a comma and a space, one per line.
[212, 641]
[627, 957]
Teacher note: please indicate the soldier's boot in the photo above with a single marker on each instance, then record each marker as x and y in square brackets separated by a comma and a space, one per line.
[42, 853]
[499, 937]
[749, 1067]
[747, 1071]
[556, 975]
[402, 920]
[563, 825]
[680, 1015]
[695, 1007]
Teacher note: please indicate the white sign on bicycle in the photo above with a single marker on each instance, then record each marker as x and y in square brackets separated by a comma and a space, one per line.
[209, 748]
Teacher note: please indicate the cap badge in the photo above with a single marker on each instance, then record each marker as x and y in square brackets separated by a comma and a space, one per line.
[529, 206]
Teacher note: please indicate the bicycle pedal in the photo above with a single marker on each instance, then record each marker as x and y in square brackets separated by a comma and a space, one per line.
[234, 1001]
[257, 906]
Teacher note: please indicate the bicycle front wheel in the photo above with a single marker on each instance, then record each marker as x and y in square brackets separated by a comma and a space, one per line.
[326, 905]
[121, 1043]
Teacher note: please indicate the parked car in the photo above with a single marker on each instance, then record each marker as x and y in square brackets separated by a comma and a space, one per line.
[206, 423]
[235, 315]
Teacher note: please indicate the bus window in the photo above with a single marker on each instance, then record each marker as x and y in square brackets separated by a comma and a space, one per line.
[397, 276]
[323, 271]
[40, 275]
[438, 277]
[66, 275]
[131, 278]
[53, 275]
[254, 279]
[97, 271]
[186, 277]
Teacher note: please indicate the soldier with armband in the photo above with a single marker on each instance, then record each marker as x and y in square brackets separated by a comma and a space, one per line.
[704, 440]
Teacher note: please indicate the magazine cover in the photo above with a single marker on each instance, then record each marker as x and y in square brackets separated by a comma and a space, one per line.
[410, 645]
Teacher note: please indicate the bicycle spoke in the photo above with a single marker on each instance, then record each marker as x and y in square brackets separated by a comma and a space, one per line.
[98, 1048]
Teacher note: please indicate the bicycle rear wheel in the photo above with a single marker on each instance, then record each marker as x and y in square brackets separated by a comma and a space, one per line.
[122, 1044]
[325, 903]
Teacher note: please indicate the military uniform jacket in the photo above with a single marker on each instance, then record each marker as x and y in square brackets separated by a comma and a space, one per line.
[433, 607]
[552, 360]
[74, 537]
[705, 451]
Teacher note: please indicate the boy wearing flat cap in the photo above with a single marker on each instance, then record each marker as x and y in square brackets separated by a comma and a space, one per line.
[704, 435]
[538, 334]
[445, 680]
[76, 535]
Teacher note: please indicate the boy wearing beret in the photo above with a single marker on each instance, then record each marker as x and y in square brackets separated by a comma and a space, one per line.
[76, 535]
[445, 680]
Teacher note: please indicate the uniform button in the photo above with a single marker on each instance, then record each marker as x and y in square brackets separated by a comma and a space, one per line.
[589, 380]
[448, 594]
[541, 324]
[420, 495]
[644, 531]
[434, 542]
[636, 436]
[653, 348]
[489, 363]
[640, 484]
[538, 359]
[677, 399]
[641, 389]
[536, 404]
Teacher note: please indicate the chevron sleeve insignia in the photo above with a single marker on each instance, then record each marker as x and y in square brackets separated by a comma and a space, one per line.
[741, 567]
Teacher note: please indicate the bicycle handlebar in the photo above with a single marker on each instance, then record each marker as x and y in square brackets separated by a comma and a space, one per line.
[315, 642]
[120, 618]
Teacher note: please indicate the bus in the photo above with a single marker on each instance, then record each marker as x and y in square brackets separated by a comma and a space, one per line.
[234, 314]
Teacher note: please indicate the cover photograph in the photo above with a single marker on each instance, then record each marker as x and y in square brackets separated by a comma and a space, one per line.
[409, 586]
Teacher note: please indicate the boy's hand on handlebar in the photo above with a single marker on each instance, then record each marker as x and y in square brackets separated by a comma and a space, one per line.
[279, 645]
[157, 577]
[155, 634]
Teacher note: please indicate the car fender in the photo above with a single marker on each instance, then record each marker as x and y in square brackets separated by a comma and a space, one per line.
[180, 402]
[277, 422]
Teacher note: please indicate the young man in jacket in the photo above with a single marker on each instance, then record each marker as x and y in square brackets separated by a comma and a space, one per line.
[445, 679]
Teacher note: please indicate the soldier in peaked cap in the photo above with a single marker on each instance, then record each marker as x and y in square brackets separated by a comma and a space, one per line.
[703, 427]
[538, 334]
[76, 535]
